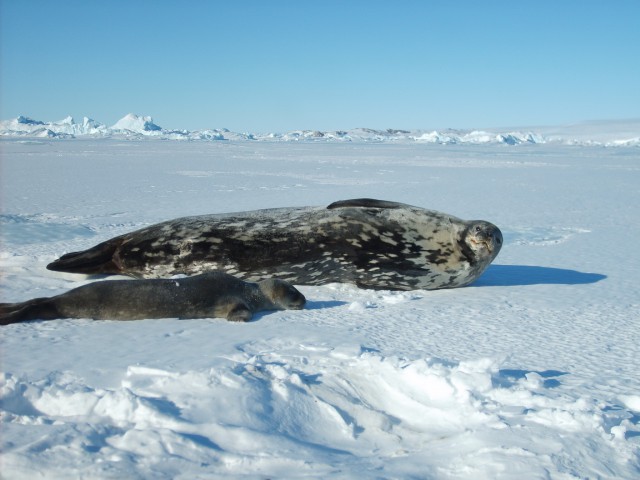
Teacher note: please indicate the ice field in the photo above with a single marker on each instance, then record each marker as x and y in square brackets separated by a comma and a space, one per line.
[531, 372]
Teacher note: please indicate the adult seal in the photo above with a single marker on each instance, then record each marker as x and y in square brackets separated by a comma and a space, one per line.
[212, 294]
[372, 243]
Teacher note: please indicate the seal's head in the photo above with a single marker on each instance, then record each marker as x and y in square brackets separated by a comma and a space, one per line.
[282, 294]
[483, 239]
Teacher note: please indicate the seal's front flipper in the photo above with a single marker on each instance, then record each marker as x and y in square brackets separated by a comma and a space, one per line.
[239, 312]
[365, 202]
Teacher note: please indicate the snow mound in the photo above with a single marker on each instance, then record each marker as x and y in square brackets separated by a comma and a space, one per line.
[479, 137]
[136, 124]
[315, 409]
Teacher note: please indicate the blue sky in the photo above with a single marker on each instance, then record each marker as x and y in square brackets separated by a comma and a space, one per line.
[281, 65]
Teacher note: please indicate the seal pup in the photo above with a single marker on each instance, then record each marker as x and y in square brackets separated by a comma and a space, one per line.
[212, 294]
[372, 243]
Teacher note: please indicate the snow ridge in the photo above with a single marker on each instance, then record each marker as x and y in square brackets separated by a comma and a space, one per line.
[316, 409]
[608, 134]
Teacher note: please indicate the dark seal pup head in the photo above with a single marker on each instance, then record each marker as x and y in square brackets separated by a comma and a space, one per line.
[282, 294]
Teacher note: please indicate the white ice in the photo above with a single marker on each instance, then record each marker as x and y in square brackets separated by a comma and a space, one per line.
[531, 372]
[619, 133]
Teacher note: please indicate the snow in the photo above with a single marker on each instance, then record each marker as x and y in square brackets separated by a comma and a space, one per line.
[620, 133]
[531, 372]
[136, 124]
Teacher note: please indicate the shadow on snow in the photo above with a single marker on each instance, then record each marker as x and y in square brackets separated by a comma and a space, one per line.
[512, 275]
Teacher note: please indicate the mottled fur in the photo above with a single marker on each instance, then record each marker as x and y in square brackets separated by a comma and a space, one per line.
[372, 243]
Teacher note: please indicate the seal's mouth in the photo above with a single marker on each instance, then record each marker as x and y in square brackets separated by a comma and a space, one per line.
[297, 303]
[486, 243]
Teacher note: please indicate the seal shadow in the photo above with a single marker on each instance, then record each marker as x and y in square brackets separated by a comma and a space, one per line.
[317, 305]
[513, 275]
[310, 305]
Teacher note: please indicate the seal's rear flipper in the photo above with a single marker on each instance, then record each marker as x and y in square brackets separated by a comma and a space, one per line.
[36, 309]
[96, 260]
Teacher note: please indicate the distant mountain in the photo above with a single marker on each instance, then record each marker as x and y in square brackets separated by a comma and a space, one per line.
[612, 133]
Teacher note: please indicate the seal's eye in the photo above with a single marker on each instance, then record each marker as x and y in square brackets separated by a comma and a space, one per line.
[478, 228]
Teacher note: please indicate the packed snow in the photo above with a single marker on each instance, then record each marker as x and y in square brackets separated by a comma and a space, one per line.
[531, 372]
[621, 133]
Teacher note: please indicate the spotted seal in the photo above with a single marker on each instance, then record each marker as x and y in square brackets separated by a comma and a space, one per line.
[212, 294]
[372, 243]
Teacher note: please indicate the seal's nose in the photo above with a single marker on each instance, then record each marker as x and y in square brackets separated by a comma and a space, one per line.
[299, 305]
[297, 302]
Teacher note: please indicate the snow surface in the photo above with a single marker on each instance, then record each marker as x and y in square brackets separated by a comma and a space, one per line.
[621, 133]
[532, 372]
